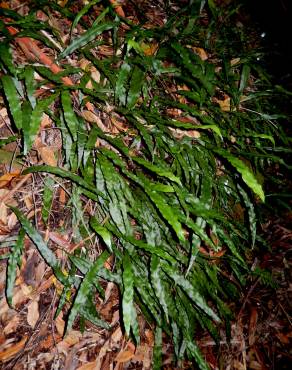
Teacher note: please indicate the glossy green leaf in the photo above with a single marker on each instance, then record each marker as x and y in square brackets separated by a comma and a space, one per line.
[101, 231]
[85, 289]
[128, 293]
[86, 37]
[47, 198]
[247, 175]
[13, 99]
[69, 115]
[81, 13]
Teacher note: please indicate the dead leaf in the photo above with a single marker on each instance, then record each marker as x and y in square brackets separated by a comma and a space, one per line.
[3, 208]
[46, 121]
[124, 356]
[12, 325]
[72, 337]
[60, 324]
[62, 196]
[201, 53]
[47, 155]
[33, 313]
[252, 326]
[93, 118]
[234, 61]
[88, 366]
[283, 338]
[224, 104]
[13, 350]
[7, 177]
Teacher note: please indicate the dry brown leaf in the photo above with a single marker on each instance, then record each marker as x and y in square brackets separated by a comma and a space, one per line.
[72, 337]
[149, 49]
[62, 196]
[12, 219]
[47, 155]
[224, 104]
[12, 325]
[201, 53]
[234, 61]
[88, 366]
[7, 177]
[252, 326]
[124, 356]
[60, 324]
[13, 350]
[3, 208]
[284, 339]
[28, 201]
[46, 121]
[93, 118]
[33, 313]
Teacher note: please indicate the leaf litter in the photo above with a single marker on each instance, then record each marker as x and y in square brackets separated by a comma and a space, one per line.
[30, 328]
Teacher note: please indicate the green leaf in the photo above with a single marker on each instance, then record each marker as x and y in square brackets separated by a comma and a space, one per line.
[102, 231]
[14, 261]
[190, 290]
[85, 289]
[247, 175]
[86, 37]
[66, 174]
[157, 351]
[35, 121]
[156, 169]
[157, 283]
[81, 13]
[120, 90]
[42, 247]
[6, 58]
[13, 99]
[136, 83]
[47, 198]
[69, 115]
[128, 293]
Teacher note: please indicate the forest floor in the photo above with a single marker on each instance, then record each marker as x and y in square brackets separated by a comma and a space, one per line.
[30, 336]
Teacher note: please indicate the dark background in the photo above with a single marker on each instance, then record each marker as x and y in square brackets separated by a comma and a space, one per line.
[274, 17]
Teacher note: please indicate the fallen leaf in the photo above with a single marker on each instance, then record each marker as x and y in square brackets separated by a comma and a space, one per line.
[224, 104]
[284, 339]
[60, 324]
[88, 366]
[201, 53]
[7, 177]
[13, 350]
[47, 155]
[93, 118]
[33, 313]
[12, 325]
[72, 338]
[124, 356]
[252, 326]
[3, 207]
[234, 61]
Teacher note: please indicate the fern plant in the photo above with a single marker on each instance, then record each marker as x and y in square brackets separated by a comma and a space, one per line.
[186, 143]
